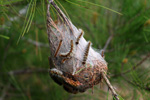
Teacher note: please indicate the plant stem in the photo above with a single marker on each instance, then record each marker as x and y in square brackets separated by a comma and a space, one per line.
[115, 95]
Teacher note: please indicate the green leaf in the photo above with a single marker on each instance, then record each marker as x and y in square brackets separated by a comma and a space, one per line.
[8, 2]
[145, 37]
[98, 6]
[120, 97]
[3, 36]
[29, 19]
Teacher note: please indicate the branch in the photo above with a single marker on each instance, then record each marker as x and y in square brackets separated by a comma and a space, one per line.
[134, 67]
[142, 87]
[39, 44]
[109, 39]
[50, 1]
[107, 42]
[4, 92]
[138, 64]
[27, 71]
[115, 95]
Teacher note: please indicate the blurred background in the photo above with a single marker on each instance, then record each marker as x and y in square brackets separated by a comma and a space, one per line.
[24, 48]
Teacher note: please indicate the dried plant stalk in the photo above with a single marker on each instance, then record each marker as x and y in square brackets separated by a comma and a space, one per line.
[70, 72]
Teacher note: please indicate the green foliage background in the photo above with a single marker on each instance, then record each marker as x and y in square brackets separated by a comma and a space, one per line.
[130, 43]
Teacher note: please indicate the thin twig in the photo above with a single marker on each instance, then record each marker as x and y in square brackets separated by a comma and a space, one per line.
[138, 64]
[135, 84]
[50, 1]
[134, 67]
[107, 42]
[28, 71]
[39, 44]
[110, 37]
[4, 92]
[115, 95]
[137, 15]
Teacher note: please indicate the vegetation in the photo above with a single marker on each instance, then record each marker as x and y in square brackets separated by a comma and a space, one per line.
[121, 27]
